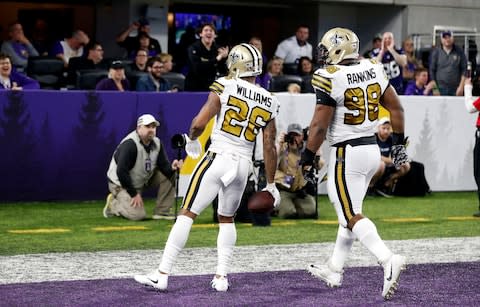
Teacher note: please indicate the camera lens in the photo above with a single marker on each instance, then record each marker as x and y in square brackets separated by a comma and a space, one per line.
[178, 141]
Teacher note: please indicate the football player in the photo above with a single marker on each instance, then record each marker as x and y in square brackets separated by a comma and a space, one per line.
[241, 110]
[349, 92]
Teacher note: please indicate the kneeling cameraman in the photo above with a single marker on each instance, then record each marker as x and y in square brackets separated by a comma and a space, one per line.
[297, 195]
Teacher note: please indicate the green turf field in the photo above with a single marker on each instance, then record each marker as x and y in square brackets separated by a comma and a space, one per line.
[80, 226]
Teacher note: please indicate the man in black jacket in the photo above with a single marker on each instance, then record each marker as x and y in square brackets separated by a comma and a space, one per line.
[140, 162]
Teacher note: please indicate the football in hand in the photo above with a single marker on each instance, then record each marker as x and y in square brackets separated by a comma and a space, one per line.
[261, 202]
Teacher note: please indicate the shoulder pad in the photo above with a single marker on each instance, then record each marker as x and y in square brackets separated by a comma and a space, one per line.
[331, 69]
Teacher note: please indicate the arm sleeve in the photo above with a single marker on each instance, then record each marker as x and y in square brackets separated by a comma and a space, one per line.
[200, 65]
[25, 82]
[101, 85]
[56, 49]
[324, 98]
[471, 104]
[282, 50]
[125, 157]
[141, 85]
[163, 163]
[410, 90]
[16, 59]
[31, 50]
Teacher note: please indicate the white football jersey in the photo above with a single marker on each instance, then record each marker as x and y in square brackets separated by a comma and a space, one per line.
[354, 90]
[246, 109]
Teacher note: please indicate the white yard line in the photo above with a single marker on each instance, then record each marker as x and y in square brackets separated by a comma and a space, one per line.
[195, 261]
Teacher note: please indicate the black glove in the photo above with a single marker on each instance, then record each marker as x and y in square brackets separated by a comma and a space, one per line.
[311, 179]
[399, 155]
[307, 159]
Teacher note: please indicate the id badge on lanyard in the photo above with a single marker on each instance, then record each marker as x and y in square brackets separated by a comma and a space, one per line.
[148, 164]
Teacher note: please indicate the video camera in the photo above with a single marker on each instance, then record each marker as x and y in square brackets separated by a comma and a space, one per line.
[290, 137]
[178, 141]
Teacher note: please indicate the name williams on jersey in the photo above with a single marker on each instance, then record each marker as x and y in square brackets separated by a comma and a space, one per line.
[254, 95]
[362, 76]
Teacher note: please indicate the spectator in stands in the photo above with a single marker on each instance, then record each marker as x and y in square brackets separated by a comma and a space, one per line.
[132, 43]
[140, 61]
[472, 104]
[387, 174]
[93, 60]
[206, 60]
[294, 88]
[70, 47]
[12, 80]
[305, 66]
[305, 70]
[376, 46]
[257, 42]
[41, 39]
[140, 162]
[19, 48]
[181, 53]
[412, 62]
[420, 85]
[274, 68]
[116, 80]
[447, 66]
[167, 60]
[393, 61]
[144, 43]
[295, 201]
[294, 47]
[153, 81]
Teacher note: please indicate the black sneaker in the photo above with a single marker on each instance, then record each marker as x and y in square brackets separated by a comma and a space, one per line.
[477, 214]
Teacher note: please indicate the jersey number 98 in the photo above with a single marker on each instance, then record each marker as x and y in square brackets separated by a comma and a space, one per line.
[356, 100]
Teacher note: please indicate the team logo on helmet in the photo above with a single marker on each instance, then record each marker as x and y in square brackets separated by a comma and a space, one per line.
[336, 45]
[244, 60]
[336, 39]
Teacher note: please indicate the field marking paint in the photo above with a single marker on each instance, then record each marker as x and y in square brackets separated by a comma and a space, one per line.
[407, 220]
[119, 228]
[462, 218]
[207, 226]
[39, 231]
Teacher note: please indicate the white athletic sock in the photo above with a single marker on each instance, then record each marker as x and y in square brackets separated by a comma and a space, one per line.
[176, 241]
[227, 237]
[342, 247]
[367, 234]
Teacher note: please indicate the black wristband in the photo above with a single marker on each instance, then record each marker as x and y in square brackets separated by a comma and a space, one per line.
[398, 138]
[307, 157]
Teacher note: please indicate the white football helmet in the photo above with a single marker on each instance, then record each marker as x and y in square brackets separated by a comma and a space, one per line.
[244, 60]
[336, 45]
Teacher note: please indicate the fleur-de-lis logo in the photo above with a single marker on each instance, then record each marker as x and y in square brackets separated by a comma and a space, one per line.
[234, 57]
[336, 39]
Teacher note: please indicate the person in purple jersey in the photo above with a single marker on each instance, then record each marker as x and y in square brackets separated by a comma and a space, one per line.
[393, 60]
[12, 80]
[19, 48]
[116, 80]
[420, 85]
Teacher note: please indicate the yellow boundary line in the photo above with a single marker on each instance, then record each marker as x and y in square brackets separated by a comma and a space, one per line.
[119, 228]
[205, 226]
[39, 231]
